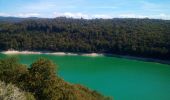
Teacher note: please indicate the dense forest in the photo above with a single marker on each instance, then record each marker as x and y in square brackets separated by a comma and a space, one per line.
[39, 82]
[135, 37]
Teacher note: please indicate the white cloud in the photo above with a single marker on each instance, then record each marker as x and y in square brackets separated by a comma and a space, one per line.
[28, 15]
[162, 16]
[156, 16]
[131, 16]
[102, 16]
[4, 14]
[73, 15]
[106, 16]
[89, 16]
[23, 15]
[82, 15]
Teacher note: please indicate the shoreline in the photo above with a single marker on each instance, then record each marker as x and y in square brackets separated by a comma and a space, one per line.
[14, 52]
[141, 59]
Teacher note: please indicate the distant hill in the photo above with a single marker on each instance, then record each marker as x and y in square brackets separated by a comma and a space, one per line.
[14, 19]
[124, 36]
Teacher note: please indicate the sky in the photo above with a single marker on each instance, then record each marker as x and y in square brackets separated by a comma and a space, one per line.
[157, 9]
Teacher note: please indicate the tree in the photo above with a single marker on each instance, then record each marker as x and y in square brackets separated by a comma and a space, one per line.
[135, 37]
[41, 79]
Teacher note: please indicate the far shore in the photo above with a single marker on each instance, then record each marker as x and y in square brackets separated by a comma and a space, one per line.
[13, 52]
[50, 53]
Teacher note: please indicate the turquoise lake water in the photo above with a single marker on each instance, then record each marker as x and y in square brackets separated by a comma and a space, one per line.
[123, 79]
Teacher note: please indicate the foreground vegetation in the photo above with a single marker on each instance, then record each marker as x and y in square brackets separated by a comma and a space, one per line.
[39, 82]
[135, 37]
[11, 92]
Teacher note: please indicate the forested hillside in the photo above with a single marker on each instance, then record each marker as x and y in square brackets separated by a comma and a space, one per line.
[135, 37]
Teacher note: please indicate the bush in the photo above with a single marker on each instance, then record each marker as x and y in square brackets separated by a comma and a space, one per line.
[11, 70]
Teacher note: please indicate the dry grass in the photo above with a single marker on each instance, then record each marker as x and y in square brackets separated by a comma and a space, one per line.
[11, 92]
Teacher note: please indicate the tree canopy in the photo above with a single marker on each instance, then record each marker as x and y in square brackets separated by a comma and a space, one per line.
[135, 37]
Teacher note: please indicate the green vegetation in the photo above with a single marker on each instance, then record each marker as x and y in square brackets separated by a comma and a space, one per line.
[135, 37]
[40, 82]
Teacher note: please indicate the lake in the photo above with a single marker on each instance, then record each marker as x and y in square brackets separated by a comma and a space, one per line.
[121, 78]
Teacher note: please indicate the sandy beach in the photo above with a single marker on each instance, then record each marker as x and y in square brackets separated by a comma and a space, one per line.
[50, 53]
[13, 52]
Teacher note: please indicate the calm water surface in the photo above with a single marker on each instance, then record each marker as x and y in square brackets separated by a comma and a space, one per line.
[124, 79]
